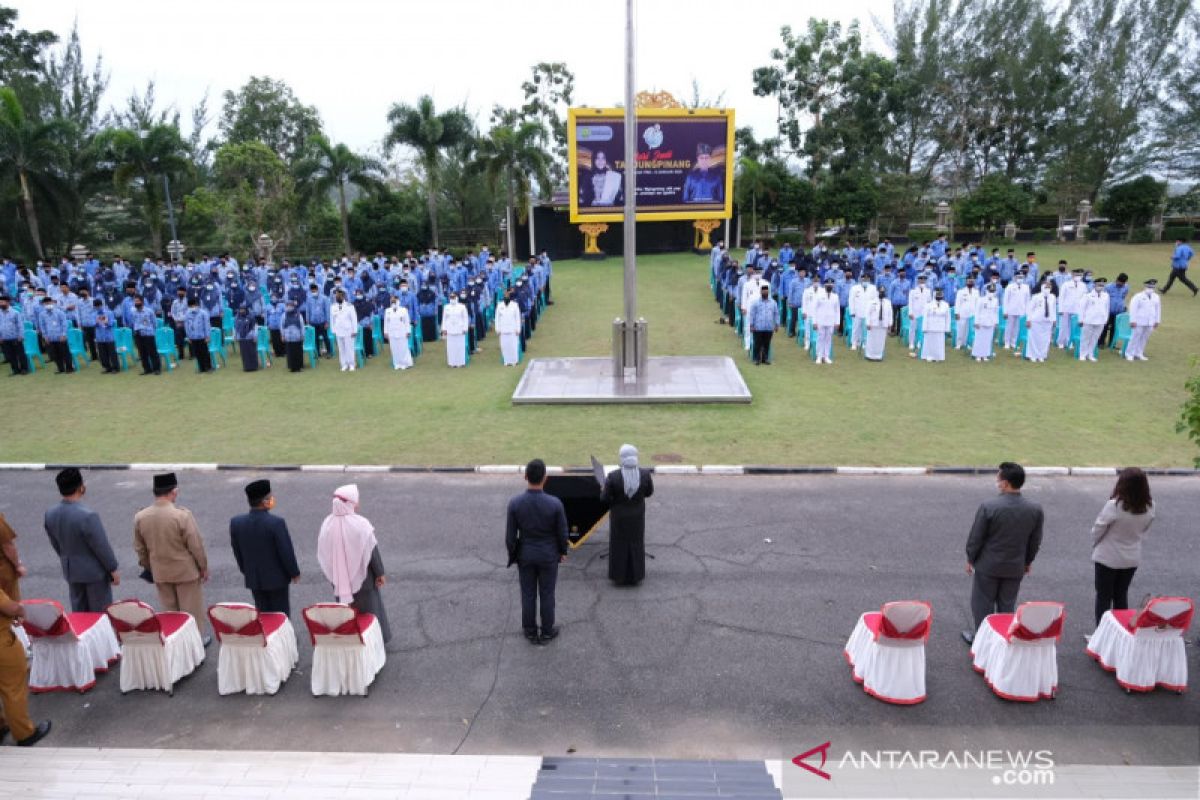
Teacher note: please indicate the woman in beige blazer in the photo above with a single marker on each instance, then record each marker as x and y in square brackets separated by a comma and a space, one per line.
[1117, 539]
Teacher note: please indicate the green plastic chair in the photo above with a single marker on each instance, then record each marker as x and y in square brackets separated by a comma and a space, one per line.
[123, 341]
[216, 349]
[264, 345]
[32, 351]
[227, 328]
[360, 355]
[310, 343]
[164, 343]
[79, 354]
[1121, 332]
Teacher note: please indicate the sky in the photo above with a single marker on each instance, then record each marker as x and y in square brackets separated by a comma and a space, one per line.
[352, 59]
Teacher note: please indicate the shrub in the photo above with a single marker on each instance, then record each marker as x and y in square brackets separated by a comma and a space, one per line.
[1179, 232]
[1141, 236]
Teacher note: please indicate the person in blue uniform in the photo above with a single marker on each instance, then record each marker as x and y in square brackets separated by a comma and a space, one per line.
[427, 310]
[263, 550]
[246, 334]
[196, 327]
[274, 315]
[704, 185]
[292, 331]
[316, 314]
[12, 337]
[365, 310]
[144, 324]
[1180, 259]
[1117, 292]
[52, 325]
[106, 340]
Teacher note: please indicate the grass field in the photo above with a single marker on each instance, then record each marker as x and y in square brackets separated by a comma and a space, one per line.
[898, 412]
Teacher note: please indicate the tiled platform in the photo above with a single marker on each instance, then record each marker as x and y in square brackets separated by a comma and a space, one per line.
[105, 774]
[669, 379]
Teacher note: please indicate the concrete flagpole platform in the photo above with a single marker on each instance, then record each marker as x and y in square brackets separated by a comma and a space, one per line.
[667, 379]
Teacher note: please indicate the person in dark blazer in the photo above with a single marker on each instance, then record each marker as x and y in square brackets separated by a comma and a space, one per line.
[77, 535]
[625, 491]
[263, 549]
[1003, 543]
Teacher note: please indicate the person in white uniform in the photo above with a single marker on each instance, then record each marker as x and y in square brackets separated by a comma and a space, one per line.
[966, 303]
[1039, 322]
[1145, 315]
[343, 324]
[879, 320]
[918, 297]
[935, 324]
[1070, 296]
[1093, 316]
[508, 327]
[861, 293]
[396, 328]
[807, 299]
[826, 311]
[750, 294]
[1016, 304]
[987, 317]
[455, 322]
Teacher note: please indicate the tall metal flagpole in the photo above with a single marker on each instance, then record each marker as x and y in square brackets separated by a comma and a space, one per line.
[630, 175]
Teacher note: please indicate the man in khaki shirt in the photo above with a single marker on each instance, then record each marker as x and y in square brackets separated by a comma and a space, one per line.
[168, 543]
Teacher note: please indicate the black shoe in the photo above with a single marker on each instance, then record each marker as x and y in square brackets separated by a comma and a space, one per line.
[532, 636]
[550, 635]
[147, 372]
[768, 363]
[38, 734]
[968, 637]
[158, 372]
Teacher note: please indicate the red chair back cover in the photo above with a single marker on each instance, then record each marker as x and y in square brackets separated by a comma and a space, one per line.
[331, 619]
[133, 616]
[905, 619]
[45, 619]
[1167, 612]
[225, 619]
[1037, 620]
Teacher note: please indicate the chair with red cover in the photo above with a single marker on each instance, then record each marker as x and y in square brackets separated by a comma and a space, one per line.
[157, 649]
[68, 649]
[258, 648]
[887, 651]
[1017, 654]
[347, 649]
[1145, 648]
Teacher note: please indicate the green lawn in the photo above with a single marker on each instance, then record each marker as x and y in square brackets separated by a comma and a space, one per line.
[897, 412]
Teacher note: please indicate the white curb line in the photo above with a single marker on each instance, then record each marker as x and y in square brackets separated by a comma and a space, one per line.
[322, 467]
[722, 469]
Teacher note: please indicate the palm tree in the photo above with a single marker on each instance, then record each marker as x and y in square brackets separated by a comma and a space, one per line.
[30, 153]
[754, 180]
[140, 160]
[428, 132]
[514, 154]
[326, 166]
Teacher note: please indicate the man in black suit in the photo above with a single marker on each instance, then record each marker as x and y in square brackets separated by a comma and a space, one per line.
[1003, 543]
[263, 549]
[77, 536]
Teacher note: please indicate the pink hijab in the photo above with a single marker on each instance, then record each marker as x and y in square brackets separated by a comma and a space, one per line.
[345, 544]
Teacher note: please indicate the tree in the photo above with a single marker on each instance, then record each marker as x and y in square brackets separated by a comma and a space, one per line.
[422, 128]
[850, 196]
[754, 182]
[22, 55]
[1189, 417]
[140, 160]
[514, 155]
[391, 220]
[257, 192]
[31, 153]
[266, 110]
[548, 95]
[328, 166]
[1134, 202]
[994, 202]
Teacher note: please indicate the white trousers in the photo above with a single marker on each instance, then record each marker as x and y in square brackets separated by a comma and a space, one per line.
[1088, 338]
[1012, 330]
[510, 348]
[1064, 330]
[1137, 341]
[346, 350]
[914, 325]
[825, 341]
[963, 330]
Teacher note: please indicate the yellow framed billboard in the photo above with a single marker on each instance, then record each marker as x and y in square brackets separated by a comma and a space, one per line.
[684, 163]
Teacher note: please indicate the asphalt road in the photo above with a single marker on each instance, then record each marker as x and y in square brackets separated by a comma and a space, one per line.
[731, 648]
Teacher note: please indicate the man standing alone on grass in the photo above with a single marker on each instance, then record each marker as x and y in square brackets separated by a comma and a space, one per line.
[1003, 543]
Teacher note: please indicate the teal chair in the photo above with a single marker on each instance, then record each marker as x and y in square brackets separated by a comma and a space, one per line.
[1121, 332]
[414, 340]
[79, 354]
[360, 355]
[216, 349]
[32, 351]
[847, 325]
[123, 342]
[1076, 333]
[164, 343]
[264, 345]
[905, 324]
[377, 333]
[310, 343]
[227, 328]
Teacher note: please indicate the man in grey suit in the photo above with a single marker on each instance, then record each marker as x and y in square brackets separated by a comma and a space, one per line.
[78, 536]
[1003, 543]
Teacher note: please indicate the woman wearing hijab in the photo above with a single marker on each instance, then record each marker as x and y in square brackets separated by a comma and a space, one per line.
[246, 333]
[292, 331]
[626, 490]
[349, 557]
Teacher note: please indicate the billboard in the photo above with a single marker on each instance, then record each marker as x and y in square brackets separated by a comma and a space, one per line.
[683, 164]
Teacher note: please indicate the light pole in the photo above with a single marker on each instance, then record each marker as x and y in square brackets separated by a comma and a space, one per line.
[629, 334]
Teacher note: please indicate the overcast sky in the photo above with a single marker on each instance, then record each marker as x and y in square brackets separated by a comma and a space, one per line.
[353, 58]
